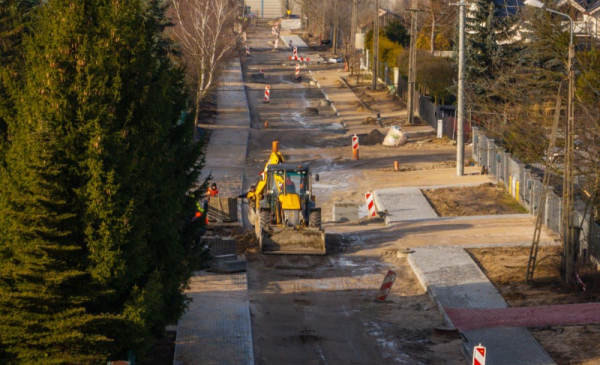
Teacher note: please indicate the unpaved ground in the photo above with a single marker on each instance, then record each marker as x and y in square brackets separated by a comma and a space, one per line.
[320, 310]
[379, 100]
[506, 267]
[485, 199]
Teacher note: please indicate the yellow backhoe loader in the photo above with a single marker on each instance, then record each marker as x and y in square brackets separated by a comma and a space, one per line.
[283, 210]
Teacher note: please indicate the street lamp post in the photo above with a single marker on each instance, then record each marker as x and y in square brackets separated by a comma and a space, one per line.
[568, 201]
[460, 125]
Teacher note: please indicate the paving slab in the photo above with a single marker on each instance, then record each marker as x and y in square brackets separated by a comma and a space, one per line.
[296, 41]
[216, 329]
[403, 204]
[468, 319]
[453, 279]
[506, 346]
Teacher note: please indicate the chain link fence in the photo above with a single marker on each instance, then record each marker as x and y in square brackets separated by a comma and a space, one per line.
[524, 183]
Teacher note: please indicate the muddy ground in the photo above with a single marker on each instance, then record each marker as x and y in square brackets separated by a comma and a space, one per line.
[485, 199]
[320, 310]
[378, 101]
[506, 268]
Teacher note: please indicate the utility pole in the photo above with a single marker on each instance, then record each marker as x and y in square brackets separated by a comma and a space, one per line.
[336, 26]
[571, 238]
[353, 36]
[460, 132]
[412, 63]
[376, 45]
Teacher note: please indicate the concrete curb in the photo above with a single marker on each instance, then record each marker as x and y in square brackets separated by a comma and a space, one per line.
[325, 94]
[426, 284]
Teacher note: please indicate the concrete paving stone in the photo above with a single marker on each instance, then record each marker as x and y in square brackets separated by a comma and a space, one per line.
[226, 155]
[230, 136]
[216, 329]
[453, 279]
[403, 204]
[296, 41]
[468, 319]
[451, 275]
[507, 346]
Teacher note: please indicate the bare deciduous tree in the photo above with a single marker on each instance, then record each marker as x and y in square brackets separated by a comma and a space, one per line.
[205, 30]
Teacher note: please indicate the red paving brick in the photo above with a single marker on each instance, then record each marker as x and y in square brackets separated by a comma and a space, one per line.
[467, 319]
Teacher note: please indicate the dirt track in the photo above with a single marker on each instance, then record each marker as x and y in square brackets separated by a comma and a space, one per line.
[320, 309]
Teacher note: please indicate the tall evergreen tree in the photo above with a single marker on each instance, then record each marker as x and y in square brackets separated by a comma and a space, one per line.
[94, 248]
[490, 32]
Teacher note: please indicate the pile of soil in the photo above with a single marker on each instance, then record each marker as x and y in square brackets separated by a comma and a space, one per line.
[373, 138]
[370, 120]
[485, 199]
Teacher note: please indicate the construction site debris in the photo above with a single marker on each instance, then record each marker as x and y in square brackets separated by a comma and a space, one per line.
[375, 137]
[310, 111]
[395, 137]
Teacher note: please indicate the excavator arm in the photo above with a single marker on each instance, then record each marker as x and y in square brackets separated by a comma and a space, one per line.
[276, 158]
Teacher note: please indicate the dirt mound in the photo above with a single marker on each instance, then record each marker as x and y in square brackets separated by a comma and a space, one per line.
[373, 138]
[370, 121]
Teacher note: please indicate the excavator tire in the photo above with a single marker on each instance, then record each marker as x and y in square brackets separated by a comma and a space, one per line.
[264, 219]
[314, 218]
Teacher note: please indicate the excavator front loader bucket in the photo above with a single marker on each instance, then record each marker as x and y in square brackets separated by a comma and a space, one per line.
[292, 241]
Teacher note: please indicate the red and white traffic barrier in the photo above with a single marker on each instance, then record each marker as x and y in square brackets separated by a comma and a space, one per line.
[383, 292]
[355, 147]
[297, 73]
[247, 50]
[479, 353]
[301, 59]
[370, 204]
[262, 71]
[267, 93]
[295, 52]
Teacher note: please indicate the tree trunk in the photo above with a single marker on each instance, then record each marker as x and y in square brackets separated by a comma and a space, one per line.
[432, 39]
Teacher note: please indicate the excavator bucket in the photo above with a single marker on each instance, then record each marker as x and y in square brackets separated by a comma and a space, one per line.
[292, 241]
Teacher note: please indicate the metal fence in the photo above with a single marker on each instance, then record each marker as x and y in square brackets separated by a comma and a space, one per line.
[524, 183]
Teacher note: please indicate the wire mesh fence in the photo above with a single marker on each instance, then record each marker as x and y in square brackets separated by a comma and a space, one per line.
[524, 183]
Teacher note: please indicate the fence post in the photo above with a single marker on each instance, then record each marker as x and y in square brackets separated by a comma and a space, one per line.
[475, 144]
[385, 74]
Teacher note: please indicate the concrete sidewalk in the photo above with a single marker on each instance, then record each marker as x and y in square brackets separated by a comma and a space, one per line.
[345, 102]
[453, 279]
[216, 328]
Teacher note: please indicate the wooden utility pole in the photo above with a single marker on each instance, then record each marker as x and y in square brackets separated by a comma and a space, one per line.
[412, 63]
[568, 202]
[376, 45]
[352, 45]
[336, 26]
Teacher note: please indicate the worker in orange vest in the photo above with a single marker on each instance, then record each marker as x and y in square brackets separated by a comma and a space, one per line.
[212, 191]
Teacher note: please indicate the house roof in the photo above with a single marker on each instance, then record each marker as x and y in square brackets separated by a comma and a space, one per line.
[584, 6]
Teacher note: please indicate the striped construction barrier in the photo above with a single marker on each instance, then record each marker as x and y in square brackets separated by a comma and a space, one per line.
[297, 73]
[371, 204]
[479, 355]
[383, 292]
[267, 94]
[247, 50]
